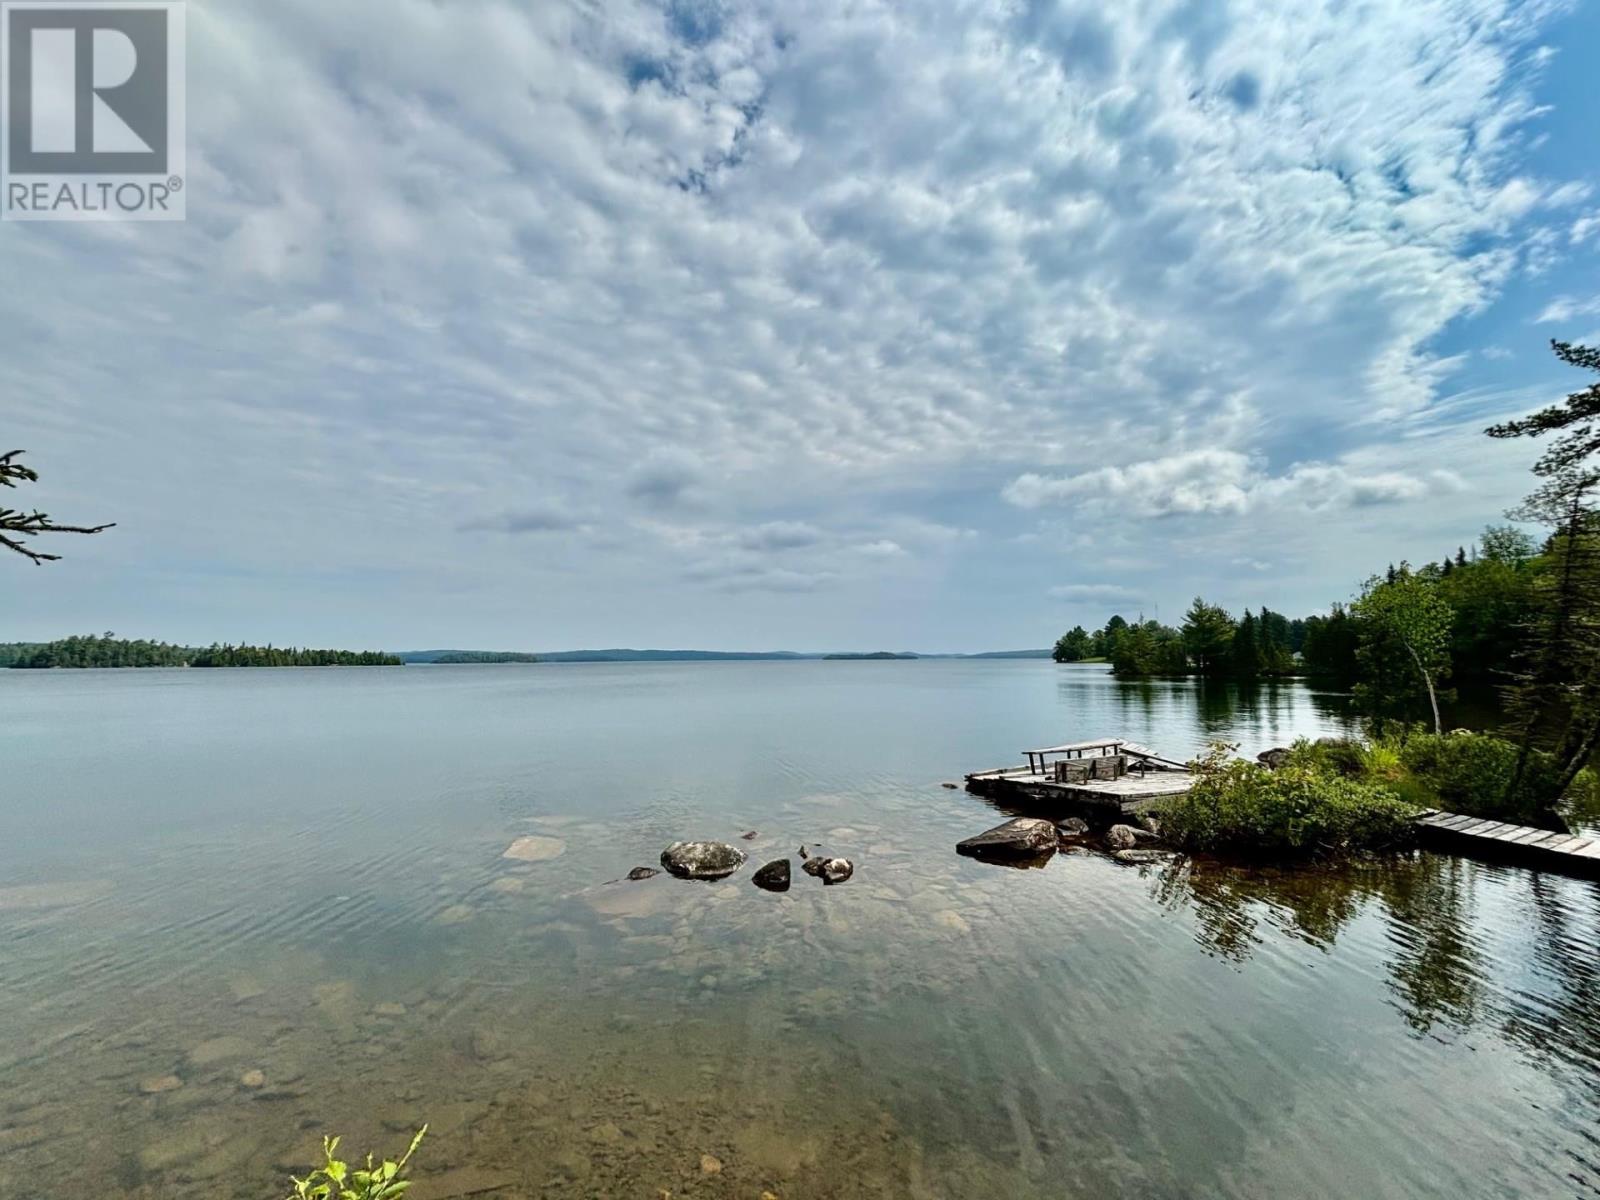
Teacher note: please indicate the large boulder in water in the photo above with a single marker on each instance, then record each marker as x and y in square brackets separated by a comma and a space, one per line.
[1025, 837]
[774, 877]
[1123, 837]
[702, 860]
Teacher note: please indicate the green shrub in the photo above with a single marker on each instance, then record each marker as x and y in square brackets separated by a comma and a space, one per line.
[1471, 773]
[335, 1180]
[1301, 809]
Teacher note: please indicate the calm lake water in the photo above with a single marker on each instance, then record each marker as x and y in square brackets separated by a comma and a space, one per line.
[208, 874]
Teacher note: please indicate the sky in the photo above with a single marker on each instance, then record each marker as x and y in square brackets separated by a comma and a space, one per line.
[810, 325]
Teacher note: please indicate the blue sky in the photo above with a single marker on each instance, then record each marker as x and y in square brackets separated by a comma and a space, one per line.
[821, 325]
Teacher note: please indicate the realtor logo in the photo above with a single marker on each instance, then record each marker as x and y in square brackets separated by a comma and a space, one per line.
[92, 110]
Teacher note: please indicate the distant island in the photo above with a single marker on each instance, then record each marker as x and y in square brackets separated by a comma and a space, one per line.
[108, 650]
[111, 651]
[620, 655]
[477, 656]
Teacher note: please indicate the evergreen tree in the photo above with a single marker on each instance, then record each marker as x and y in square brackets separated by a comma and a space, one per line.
[16, 525]
[1208, 637]
[1246, 650]
[1577, 419]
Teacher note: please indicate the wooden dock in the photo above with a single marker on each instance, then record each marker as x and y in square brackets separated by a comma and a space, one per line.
[1106, 778]
[1570, 854]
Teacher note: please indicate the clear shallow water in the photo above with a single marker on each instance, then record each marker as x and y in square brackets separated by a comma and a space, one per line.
[209, 873]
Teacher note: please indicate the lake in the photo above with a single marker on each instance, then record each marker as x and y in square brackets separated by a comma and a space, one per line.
[239, 908]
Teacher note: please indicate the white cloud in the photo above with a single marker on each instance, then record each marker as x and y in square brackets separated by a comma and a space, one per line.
[850, 265]
[1565, 308]
[1221, 483]
[1109, 592]
[883, 548]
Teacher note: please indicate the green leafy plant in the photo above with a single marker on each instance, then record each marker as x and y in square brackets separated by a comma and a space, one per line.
[337, 1180]
[1300, 810]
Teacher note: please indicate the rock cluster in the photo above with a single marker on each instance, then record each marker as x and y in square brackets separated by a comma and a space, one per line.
[1029, 841]
[718, 860]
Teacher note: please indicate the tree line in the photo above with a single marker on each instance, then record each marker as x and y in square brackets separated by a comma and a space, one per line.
[107, 650]
[1515, 613]
[1466, 617]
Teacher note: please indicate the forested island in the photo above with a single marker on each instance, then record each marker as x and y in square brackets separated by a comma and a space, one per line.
[108, 650]
[484, 656]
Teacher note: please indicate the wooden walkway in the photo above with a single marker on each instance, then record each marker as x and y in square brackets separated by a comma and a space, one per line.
[1571, 854]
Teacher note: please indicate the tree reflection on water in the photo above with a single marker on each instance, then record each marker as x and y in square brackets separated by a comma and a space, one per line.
[1450, 965]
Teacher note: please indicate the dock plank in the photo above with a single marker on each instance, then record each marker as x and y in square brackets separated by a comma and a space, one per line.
[1545, 849]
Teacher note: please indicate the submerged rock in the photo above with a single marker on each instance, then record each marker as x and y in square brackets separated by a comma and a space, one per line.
[1024, 837]
[1134, 858]
[774, 877]
[219, 1049]
[952, 920]
[702, 860]
[750, 835]
[643, 873]
[159, 1084]
[535, 849]
[1072, 827]
[1122, 837]
[710, 1164]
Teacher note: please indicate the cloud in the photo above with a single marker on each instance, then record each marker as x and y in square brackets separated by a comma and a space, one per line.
[550, 518]
[666, 478]
[882, 549]
[744, 576]
[701, 269]
[1109, 592]
[1221, 483]
[779, 535]
[1565, 308]
[1204, 481]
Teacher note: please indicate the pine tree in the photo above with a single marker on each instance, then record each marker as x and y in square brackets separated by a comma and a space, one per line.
[1246, 651]
[16, 525]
